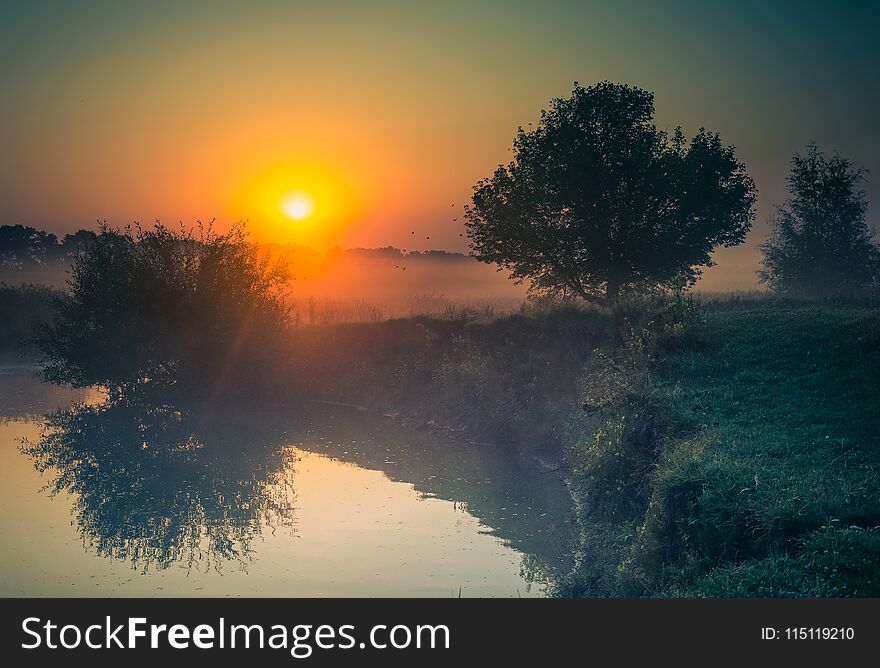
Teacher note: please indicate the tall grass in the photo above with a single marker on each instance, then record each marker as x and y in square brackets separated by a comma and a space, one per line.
[509, 378]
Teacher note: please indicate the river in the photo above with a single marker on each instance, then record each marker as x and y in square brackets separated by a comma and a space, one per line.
[329, 501]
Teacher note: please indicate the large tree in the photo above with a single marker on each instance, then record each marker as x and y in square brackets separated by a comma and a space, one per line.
[597, 201]
[820, 244]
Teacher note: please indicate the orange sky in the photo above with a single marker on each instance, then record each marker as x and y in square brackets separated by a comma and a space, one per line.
[390, 111]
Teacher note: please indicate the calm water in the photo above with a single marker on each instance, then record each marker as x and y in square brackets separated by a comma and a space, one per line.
[332, 502]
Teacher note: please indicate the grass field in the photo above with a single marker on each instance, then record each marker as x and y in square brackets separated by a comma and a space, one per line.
[759, 475]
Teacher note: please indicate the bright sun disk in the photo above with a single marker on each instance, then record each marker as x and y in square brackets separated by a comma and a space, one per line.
[297, 205]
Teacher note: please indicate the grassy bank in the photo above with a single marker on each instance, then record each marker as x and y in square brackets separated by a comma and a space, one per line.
[743, 462]
[510, 379]
[723, 449]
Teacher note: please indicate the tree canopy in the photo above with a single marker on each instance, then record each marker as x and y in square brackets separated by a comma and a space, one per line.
[597, 201]
[820, 244]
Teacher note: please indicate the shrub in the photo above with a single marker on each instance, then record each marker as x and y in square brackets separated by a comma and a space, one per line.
[160, 307]
[613, 469]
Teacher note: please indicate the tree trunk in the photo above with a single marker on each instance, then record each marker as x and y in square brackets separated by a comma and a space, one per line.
[612, 291]
[580, 292]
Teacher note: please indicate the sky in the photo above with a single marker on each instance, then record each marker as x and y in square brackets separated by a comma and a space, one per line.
[374, 119]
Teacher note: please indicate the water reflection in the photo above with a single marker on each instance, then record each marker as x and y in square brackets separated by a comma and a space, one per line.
[156, 485]
[526, 506]
[199, 486]
[24, 396]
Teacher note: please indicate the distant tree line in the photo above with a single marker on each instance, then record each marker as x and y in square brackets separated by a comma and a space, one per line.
[22, 246]
[394, 253]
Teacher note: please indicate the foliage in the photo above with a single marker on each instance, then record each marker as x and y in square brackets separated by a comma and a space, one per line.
[159, 306]
[820, 244]
[830, 562]
[510, 379]
[613, 468]
[597, 201]
[21, 246]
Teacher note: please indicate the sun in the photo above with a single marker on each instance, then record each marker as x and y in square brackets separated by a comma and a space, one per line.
[297, 205]
[303, 203]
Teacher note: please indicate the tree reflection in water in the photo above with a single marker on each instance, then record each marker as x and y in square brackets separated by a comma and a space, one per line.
[155, 484]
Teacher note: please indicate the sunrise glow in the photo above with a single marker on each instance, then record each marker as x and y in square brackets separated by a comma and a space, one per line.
[297, 205]
[306, 203]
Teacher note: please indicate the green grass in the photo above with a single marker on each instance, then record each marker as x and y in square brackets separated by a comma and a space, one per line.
[794, 397]
[770, 447]
[831, 563]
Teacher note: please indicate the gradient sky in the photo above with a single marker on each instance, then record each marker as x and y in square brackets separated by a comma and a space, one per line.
[392, 110]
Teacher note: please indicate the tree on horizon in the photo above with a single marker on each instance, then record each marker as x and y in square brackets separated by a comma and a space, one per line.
[597, 202]
[820, 244]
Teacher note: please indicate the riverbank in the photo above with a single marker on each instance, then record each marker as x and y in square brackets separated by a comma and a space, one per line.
[742, 463]
[722, 449]
[511, 380]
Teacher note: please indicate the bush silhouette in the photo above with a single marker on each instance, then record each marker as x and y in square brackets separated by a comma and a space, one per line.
[165, 308]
